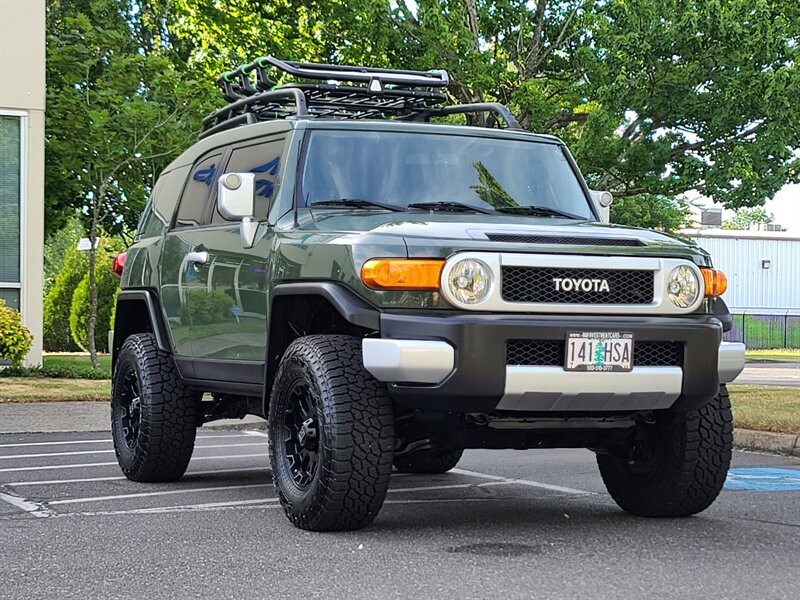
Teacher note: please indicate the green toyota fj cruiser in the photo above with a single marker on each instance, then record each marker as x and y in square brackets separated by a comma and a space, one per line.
[387, 291]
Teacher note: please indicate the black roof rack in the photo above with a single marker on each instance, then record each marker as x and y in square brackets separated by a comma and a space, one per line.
[370, 94]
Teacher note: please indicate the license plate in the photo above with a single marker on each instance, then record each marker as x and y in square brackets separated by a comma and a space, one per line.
[598, 351]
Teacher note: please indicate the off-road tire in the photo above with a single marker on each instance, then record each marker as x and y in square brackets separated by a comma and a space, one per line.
[431, 460]
[693, 451]
[163, 447]
[355, 425]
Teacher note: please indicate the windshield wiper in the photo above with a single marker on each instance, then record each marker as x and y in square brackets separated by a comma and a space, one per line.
[544, 211]
[357, 203]
[452, 207]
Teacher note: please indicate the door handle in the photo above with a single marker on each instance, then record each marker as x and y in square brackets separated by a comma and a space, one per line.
[197, 258]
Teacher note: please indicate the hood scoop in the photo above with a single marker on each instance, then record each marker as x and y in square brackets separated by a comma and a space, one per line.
[518, 238]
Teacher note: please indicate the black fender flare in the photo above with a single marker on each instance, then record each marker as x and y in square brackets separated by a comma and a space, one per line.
[350, 306]
[133, 307]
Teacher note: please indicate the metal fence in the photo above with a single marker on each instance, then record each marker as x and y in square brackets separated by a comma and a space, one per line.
[765, 328]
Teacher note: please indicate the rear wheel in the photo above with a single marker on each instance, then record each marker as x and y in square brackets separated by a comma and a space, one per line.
[153, 415]
[430, 460]
[331, 432]
[677, 467]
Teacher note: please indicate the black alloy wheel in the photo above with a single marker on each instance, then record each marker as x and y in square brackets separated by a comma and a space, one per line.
[301, 434]
[130, 406]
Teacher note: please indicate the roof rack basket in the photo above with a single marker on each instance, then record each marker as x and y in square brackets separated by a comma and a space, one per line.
[369, 93]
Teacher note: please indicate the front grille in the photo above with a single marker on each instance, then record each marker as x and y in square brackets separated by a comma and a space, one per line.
[550, 353]
[537, 284]
[515, 238]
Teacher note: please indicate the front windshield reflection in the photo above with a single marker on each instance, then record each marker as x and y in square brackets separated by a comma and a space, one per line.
[401, 168]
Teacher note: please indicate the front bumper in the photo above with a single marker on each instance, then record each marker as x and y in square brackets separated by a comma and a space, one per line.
[456, 362]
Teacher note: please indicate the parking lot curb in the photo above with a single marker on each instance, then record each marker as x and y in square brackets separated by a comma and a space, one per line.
[230, 425]
[767, 441]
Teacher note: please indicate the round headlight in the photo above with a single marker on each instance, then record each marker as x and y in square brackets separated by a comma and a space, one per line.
[470, 281]
[683, 287]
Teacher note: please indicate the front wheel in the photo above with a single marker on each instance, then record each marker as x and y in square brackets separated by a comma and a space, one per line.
[677, 466]
[331, 432]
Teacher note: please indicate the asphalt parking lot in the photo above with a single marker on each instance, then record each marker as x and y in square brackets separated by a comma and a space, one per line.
[505, 524]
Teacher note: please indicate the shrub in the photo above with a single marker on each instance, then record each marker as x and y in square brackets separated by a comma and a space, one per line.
[59, 371]
[107, 285]
[57, 249]
[58, 302]
[15, 339]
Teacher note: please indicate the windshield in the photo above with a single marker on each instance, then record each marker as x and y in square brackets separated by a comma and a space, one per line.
[402, 169]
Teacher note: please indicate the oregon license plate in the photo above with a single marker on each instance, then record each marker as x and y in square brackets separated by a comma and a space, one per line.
[599, 351]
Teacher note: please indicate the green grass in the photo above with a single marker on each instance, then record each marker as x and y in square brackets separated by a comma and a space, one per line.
[765, 408]
[783, 355]
[52, 389]
[77, 360]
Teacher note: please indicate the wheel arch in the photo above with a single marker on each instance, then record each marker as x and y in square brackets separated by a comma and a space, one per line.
[300, 309]
[137, 311]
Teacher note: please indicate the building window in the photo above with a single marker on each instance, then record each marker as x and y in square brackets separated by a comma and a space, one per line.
[10, 209]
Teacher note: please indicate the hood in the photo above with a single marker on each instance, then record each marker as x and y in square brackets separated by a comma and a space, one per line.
[428, 234]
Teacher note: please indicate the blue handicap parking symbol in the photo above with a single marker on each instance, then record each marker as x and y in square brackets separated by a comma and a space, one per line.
[763, 479]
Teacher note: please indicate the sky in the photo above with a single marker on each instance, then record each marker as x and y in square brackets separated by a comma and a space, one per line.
[785, 207]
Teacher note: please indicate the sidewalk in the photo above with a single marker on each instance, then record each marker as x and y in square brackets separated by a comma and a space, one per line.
[784, 374]
[46, 417]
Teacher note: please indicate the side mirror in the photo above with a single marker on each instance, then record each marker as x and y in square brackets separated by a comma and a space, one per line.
[236, 201]
[603, 200]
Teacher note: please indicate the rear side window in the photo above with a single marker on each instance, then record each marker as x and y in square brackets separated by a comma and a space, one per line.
[161, 206]
[265, 160]
[199, 187]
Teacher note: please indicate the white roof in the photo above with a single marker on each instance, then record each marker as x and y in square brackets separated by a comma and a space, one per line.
[740, 234]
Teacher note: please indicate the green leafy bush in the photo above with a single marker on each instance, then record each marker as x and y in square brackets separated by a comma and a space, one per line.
[58, 247]
[58, 302]
[15, 339]
[107, 286]
[59, 371]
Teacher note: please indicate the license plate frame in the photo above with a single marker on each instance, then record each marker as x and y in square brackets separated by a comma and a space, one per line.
[583, 359]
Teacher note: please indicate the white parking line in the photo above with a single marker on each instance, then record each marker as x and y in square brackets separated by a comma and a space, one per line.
[79, 452]
[34, 508]
[103, 441]
[243, 504]
[536, 484]
[440, 500]
[256, 433]
[161, 493]
[91, 479]
[453, 486]
[157, 510]
[108, 464]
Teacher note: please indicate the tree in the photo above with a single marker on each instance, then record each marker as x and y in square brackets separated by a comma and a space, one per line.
[56, 249]
[118, 112]
[745, 218]
[58, 302]
[650, 211]
[80, 309]
[655, 97]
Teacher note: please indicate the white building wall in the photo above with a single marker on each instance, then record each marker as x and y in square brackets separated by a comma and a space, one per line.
[22, 96]
[741, 254]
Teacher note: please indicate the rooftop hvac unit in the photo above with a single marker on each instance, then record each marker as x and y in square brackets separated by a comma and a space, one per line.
[773, 227]
[711, 217]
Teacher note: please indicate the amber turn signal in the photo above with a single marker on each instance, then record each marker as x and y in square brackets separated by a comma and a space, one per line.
[401, 274]
[716, 282]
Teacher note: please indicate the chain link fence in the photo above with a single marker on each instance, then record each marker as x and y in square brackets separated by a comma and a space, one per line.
[765, 328]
